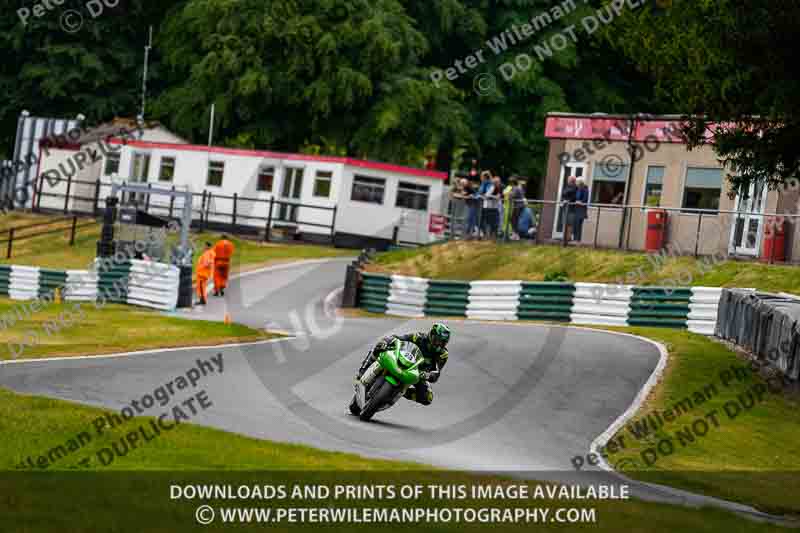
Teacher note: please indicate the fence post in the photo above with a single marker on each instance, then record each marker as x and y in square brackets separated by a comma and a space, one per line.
[10, 242]
[72, 232]
[203, 212]
[66, 196]
[269, 219]
[333, 227]
[235, 203]
[171, 202]
[597, 226]
[629, 218]
[39, 195]
[147, 200]
[697, 237]
[96, 197]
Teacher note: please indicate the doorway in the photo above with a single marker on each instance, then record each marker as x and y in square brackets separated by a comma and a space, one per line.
[748, 224]
[578, 170]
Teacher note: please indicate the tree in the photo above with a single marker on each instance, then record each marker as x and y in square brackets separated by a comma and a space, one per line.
[94, 69]
[730, 67]
[343, 73]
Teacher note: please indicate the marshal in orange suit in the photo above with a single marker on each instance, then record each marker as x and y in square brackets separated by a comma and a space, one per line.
[205, 266]
[223, 252]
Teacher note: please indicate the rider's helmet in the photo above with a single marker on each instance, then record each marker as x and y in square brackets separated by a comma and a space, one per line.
[439, 335]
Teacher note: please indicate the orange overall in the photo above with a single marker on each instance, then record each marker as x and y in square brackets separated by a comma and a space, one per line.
[223, 251]
[204, 268]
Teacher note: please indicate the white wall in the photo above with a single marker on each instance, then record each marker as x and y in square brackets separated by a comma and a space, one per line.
[362, 218]
[240, 177]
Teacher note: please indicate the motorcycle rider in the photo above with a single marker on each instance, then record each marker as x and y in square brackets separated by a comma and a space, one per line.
[433, 345]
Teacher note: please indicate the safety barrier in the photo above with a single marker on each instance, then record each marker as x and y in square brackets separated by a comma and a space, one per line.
[142, 283]
[766, 325]
[692, 308]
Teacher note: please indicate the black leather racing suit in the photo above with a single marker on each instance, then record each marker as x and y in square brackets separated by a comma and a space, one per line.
[435, 357]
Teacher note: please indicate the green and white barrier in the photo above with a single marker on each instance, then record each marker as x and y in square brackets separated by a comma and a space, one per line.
[693, 308]
[493, 300]
[546, 301]
[143, 283]
[407, 296]
[447, 298]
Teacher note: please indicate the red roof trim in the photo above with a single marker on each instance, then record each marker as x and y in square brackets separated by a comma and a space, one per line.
[375, 165]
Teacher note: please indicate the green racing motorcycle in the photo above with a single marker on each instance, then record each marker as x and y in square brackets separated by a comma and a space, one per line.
[387, 379]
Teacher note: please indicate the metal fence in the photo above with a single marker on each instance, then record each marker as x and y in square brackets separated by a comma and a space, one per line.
[770, 236]
[236, 214]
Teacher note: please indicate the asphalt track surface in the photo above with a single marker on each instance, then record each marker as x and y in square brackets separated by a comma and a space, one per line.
[519, 399]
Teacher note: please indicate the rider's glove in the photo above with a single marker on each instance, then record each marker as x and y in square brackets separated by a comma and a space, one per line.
[432, 377]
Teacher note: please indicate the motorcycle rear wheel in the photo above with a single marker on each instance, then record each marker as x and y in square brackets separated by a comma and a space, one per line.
[381, 397]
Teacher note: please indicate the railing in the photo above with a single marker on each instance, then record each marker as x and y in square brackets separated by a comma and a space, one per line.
[697, 232]
[13, 234]
[245, 215]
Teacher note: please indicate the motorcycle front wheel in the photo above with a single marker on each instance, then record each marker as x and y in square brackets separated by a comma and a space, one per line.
[382, 396]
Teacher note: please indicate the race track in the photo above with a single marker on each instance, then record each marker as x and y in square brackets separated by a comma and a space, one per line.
[523, 399]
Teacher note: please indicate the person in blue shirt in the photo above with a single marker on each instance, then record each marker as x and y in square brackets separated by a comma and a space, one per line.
[525, 226]
[581, 201]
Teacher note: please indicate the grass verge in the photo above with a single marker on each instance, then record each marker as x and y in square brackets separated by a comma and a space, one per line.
[66, 330]
[518, 261]
[714, 427]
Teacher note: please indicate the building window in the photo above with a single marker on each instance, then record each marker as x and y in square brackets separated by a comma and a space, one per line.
[412, 196]
[368, 189]
[322, 184]
[608, 184]
[653, 187]
[112, 164]
[215, 171]
[266, 178]
[703, 188]
[167, 170]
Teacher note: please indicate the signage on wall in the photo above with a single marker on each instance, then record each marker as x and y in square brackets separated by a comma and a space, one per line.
[437, 224]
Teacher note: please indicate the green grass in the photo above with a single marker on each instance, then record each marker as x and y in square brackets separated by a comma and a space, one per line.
[54, 251]
[517, 261]
[111, 329]
[753, 458]
[137, 498]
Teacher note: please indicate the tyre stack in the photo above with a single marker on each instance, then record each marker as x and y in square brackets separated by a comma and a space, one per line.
[185, 292]
[49, 281]
[112, 283]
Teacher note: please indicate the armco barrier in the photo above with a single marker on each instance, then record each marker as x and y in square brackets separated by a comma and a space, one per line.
[766, 325]
[577, 303]
[142, 283]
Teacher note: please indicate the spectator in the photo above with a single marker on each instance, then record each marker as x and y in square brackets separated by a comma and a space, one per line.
[491, 211]
[458, 207]
[473, 205]
[498, 185]
[581, 201]
[526, 229]
[568, 196]
[507, 209]
[517, 202]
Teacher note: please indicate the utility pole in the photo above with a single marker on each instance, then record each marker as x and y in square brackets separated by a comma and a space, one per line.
[147, 48]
